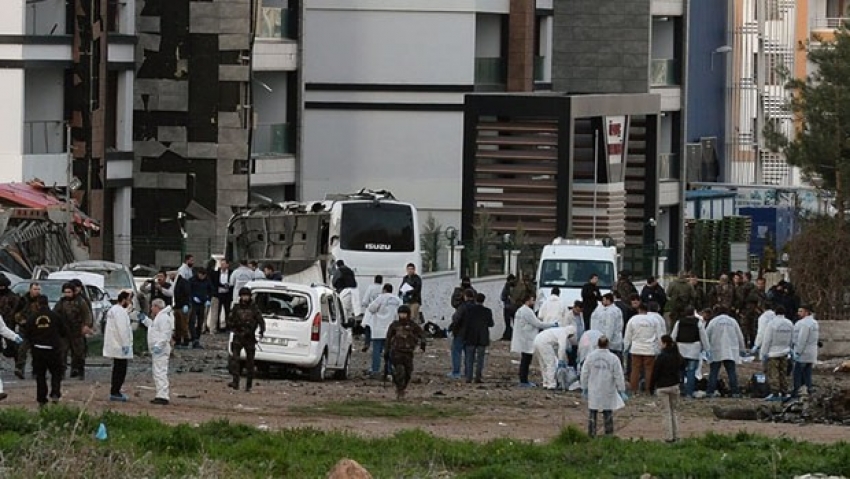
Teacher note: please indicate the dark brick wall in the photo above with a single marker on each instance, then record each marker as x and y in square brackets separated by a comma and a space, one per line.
[601, 46]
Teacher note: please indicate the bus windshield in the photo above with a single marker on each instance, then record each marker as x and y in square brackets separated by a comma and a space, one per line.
[574, 273]
[376, 226]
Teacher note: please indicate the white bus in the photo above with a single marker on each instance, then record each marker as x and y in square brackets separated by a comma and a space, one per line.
[371, 231]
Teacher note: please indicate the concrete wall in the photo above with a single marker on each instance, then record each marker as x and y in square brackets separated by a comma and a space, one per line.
[836, 339]
[601, 46]
[437, 291]
[12, 86]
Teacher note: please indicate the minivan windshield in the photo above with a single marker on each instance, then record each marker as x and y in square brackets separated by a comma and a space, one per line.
[283, 305]
[574, 273]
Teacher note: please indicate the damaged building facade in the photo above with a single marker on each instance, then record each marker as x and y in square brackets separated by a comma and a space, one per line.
[191, 125]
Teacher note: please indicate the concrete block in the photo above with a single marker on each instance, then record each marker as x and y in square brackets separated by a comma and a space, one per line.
[610, 73]
[171, 133]
[199, 228]
[227, 119]
[204, 25]
[234, 73]
[232, 182]
[234, 42]
[233, 150]
[636, 61]
[149, 41]
[231, 10]
[164, 181]
[147, 24]
[634, 34]
[232, 135]
[635, 86]
[610, 86]
[180, 148]
[233, 197]
[148, 149]
[638, 47]
[202, 150]
[236, 25]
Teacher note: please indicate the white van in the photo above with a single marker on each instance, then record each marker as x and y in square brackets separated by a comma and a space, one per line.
[306, 329]
[568, 264]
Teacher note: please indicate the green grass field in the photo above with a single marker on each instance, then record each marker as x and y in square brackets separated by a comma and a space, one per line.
[59, 442]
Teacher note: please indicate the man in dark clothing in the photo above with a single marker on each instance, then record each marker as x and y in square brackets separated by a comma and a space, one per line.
[477, 320]
[625, 308]
[457, 294]
[590, 298]
[680, 294]
[45, 330]
[508, 308]
[754, 305]
[782, 294]
[244, 320]
[403, 336]
[223, 294]
[624, 285]
[457, 327]
[699, 291]
[202, 292]
[8, 305]
[158, 288]
[343, 277]
[271, 274]
[76, 318]
[27, 306]
[654, 292]
[411, 291]
[182, 306]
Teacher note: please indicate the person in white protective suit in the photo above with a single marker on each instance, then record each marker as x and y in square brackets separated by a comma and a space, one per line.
[553, 310]
[726, 347]
[10, 336]
[608, 320]
[763, 321]
[118, 344]
[775, 349]
[526, 327]
[551, 346]
[372, 293]
[160, 331]
[603, 386]
[587, 344]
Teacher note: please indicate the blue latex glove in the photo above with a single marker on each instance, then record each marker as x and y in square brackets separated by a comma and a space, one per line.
[18, 339]
[584, 394]
[708, 356]
[197, 300]
[185, 309]
[795, 356]
[142, 317]
[208, 303]
[764, 358]
[125, 350]
[555, 325]
[562, 364]
[624, 396]
[756, 351]
[744, 353]
[157, 350]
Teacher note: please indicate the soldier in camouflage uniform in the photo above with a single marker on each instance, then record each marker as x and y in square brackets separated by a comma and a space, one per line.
[243, 321]
[723, 294]
[27, 306]
[403, 336]
[75, 312]
[8, 305]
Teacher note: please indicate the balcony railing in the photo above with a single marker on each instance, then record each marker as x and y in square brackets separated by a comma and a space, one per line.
[273, 140]
[668, 166]
[490, 71]
[44, 137]
[539, 68]
[664, 72]
[828, 23]
[275, 22]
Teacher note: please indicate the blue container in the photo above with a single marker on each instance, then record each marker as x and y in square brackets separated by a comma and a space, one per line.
[774, 224]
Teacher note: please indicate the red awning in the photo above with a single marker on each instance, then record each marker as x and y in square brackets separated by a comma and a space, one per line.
[35, 195]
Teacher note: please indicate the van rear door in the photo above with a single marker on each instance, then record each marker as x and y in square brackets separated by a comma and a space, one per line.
[288, 321]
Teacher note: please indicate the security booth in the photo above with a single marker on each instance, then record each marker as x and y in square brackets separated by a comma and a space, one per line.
[542, 165]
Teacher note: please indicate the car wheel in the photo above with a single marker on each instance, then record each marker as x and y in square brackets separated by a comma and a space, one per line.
[317, 374]
[343, 373]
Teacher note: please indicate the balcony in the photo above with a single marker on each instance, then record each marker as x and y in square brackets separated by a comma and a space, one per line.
[668, 166]
[273, 140]
[664, 72]
[539, 69]
[272, 171]
[823, 29]
[276, 23]
[44, 137]
[491, 71]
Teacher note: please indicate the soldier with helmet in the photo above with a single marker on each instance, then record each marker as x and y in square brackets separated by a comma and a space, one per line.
[403, 336]
[244, 320]
[76, 315]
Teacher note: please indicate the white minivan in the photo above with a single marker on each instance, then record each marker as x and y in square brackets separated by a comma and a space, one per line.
[306, 329]
[568, 264]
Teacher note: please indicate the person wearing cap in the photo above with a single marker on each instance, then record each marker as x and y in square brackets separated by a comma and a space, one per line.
[403, 336]
[805, 351]
[76, 315]
[244, 321]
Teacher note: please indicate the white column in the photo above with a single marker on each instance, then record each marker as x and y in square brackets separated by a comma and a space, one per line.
[513, 266]
[12, 85]
[456, 254]
[124, 112]
[662, 261]
[122, 231]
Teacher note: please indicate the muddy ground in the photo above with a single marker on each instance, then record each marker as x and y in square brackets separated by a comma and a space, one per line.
[496, 408]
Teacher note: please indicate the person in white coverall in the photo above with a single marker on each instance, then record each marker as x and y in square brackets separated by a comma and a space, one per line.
[588, 343]
[603, 386]
[775, 348]
[727, 346]
[608, 320]
[384, 311]
[160, 331]
[526, 327]
[372, 293]
[11, 336]
[553, 310]
[805, 352]
[551, 346]
[118, 343]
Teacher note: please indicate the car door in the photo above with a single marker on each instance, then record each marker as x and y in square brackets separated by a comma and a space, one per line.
[344, 334]
[333, 327]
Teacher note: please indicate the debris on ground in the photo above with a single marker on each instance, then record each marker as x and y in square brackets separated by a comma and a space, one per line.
[826, 406]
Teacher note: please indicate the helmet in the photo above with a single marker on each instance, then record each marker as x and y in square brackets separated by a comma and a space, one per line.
[404, 309]
[244, 291]
[4, 281]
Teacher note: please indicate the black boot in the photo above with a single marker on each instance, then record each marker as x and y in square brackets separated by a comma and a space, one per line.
[608, 416]
[249, 384]
[235, 383]
[591, 424]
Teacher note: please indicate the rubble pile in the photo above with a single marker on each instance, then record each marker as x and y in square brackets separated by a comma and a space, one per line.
[828, 405]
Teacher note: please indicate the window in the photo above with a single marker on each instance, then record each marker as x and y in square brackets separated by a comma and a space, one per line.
[376, 226]
[283, 305]
[574, 273]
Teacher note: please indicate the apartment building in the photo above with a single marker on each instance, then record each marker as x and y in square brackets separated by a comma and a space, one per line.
[66, 72]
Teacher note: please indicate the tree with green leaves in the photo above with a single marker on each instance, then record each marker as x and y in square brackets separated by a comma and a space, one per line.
[821, 104]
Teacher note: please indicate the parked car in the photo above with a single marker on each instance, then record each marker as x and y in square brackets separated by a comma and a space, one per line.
[52, 289]
[117, 277]
[306, 329]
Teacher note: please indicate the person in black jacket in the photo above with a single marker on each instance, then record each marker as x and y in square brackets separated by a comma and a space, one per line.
[182, 305]
[666, 376]
[411, 291]
[45, 331]
[458, 328]
[590, 298]
[508, 307]
[457, 294]
[653, 291]
[202, 293]
[477, 321]
[343, 277]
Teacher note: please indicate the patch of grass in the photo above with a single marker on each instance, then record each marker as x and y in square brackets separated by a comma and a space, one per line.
[94, 345]
[40, 445]
[366, 408]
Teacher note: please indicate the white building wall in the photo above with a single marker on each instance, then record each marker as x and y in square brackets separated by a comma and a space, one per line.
[12, 86]
[488, 34]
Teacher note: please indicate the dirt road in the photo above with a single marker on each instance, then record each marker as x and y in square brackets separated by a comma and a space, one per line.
[491, 410]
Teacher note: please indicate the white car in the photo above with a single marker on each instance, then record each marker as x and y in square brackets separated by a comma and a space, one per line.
[306, 329]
